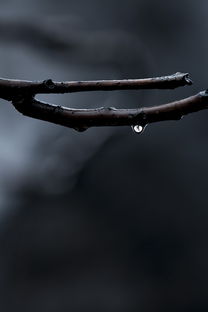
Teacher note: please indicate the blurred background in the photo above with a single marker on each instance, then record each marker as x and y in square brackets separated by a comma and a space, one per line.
[105, 220]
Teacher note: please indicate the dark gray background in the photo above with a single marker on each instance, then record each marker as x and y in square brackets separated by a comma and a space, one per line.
[105, 220]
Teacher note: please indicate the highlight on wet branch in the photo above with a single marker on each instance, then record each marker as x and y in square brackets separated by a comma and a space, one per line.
[22, 94]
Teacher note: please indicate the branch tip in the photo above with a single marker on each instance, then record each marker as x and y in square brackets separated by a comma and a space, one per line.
[188, 79]
[204, 93]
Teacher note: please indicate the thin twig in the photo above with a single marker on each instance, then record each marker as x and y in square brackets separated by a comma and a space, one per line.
[10, 87]
[22, 94]
[82, 119]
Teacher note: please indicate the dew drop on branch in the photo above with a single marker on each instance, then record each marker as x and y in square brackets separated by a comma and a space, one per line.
[138, 128]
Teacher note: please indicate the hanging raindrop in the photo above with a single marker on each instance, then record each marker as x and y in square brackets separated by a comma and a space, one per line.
[138, 128]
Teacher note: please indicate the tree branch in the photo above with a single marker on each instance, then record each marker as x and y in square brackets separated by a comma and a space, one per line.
[22, 94]
[82, 119]
[10, 88]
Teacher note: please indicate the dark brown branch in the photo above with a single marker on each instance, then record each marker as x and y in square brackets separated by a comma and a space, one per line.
[10, 88]
[22, 94]
[82, 119]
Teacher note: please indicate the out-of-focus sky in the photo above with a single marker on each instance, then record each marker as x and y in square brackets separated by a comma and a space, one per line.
[105, 220]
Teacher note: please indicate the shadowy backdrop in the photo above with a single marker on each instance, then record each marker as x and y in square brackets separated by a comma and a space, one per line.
[106, 220]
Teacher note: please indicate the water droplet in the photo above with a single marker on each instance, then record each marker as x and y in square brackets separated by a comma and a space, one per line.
[138, 128]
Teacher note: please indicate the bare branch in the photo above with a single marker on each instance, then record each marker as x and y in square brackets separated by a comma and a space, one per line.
[22, 94]
[10, 88]
[82, 119]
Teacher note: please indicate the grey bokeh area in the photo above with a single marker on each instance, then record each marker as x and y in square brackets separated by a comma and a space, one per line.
[105, 220]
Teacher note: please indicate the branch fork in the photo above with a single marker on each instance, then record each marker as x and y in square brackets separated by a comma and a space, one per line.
[22, 95]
